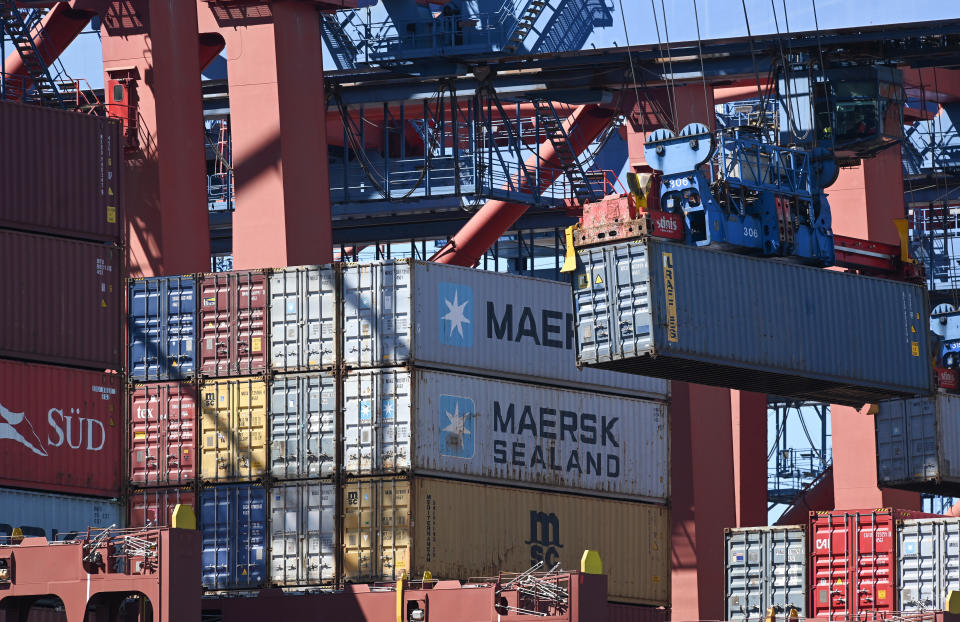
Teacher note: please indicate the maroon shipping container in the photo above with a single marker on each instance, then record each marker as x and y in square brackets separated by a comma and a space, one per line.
[60, 429]
[61, 301]
[154, 506]
[163, 435]
[617, 612]
[233, 323]
[63, 175]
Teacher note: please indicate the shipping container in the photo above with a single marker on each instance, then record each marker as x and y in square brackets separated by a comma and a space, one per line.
[233, 323]
[61, 301]
[618, 612]
[162, 326]
[398, 420]
[710, 317]
[765, 567]
[303, 426]
[303, 307]
[52, 516]
[458, 530]
[928, 562]
[61, 429]
[478, 322]
[153, 507]
[302, 533]
[63, 176]
[233, 528]
[163, 436]
[918, 444]
[234, 429]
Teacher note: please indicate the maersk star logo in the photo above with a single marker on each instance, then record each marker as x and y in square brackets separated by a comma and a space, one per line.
[458, 434]
[456, 313]
[16, 427]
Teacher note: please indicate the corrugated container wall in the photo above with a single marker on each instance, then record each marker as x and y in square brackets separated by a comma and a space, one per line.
[711, 317]
[303, 531]
[234, 429]
[617, 612]
[162, 327]
[303, 307]
[233, 323]
[460, 530]
[928, 562]
[154, 506]
[765, 567]
[303, 426]
[454, 425]
[460, 319]
[233, 529]
[163, 436]
[918, 444]
[63, 176]
[52, 516]
[61, 429]
[61, 301]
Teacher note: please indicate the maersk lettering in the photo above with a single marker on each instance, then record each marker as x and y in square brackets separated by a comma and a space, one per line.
[547, 327]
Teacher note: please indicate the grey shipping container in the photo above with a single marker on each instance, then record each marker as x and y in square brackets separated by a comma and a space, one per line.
[687, 313]
[765, 567]
[54, 517]
[918, 444]
[303, 304]
[469, 427]
[302, 533]
[928, 562]
[303, 426]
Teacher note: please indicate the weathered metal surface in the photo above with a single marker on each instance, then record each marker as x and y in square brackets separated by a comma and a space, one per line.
[918, 444]
[303, 306]
[233, 528]
[163, 434]
[234, 429]
[52, 516]
[303, 426]
[233, 323]
[162, 328]
[303, 530]
[928, 563]
[765, 567]
[153, 507]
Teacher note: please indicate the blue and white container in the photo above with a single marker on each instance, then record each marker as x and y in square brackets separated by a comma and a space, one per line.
[233, 527]
[162, 325]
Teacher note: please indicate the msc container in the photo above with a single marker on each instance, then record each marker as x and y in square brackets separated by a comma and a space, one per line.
[54, 517]
[453, 318]
[454, 425]
[163, 437]
[918, 444]
[162, 326]
[303, 307]
[765, 567]
[233, 323]
[60, 173]
[302, 533]
[458, 530]
[234, 429]
[928, 562]
[699, 315]
[60, 301]
[61, 429]
[303, 426]
[153, 507]
[233, 532]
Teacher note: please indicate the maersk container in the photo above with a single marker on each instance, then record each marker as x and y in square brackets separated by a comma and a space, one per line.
[233, 430]
[233, 323]
[233, 530]
[458, 530]
[54, 517]
[765, 567]
[928, 563]
[478, 322]
[303, 531]
[162, 326]
[153, 507]
[61, 301]
[61, 429]
[303, 307]
[918, 444]
[303, 426]
[63, 175]
[163, 434]
[711, 317]
[398, 420]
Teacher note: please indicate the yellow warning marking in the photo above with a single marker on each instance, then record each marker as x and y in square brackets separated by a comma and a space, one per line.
[582, 281]
[103, 303]
[139, 435]
[839, 582]
[598, 280]
[882, 594]
[670, 292]
[915, 348]
[111, 213]
[109, 161]
[913, 329]
[109, 192]
[255, 344]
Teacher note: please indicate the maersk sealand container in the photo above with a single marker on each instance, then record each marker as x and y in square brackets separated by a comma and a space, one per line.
[686, 313]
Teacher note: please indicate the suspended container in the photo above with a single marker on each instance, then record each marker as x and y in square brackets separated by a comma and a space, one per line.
[303, 531]
[765, 567]
[233, 323]
[153, 507]
[233, 430]
[233, 528]
[303, 306]
[928, 563]
[918, 444]
[163, 438]
[54, 517]
[162, 327]
[303, 426]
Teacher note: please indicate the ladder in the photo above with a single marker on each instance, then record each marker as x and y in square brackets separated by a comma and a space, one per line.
[551, 125]
[44, 88]
[529, 16]
[333, 30]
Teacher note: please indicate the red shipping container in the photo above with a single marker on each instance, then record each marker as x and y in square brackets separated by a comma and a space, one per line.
[63, 176]
[163, 435]
[154, 506]
[61, 301]
[233, 323]
[60, 429]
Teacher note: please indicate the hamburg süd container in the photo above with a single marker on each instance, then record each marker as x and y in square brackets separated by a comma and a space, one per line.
[711, 317]
[52, 516]
[61, 301]
[153, 507]
[233, 323]
[401, 420]
[303, 531]
[233, 531]
[918, 444]
[928, 563]
[303, 426]
[458, 530]
[303, 307]
[477, 322]
[61, 429]
[162, 327]
[163, 438]
[63, 176]
[233, 429]
[765, 567]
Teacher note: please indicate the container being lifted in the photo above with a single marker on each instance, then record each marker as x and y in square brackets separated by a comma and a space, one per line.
[918, 444]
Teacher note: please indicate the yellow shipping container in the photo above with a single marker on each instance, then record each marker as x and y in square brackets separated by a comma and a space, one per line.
[459, 530]
[234, 429]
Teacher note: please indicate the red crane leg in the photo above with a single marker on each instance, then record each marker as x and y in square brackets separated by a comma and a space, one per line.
[749, 420]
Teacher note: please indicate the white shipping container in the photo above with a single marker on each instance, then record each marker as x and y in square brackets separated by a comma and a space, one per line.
[54, 516]
[302, 529]
[303, 425]
[928, 562]
[303, 318]
[433, 315]
[398, 420]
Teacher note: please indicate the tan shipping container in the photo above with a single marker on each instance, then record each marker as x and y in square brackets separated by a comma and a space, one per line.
[458, 530]
[234, 429]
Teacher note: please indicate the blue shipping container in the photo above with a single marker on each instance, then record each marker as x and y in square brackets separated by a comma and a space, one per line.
[163, 327]
[233, 526]
[686, 313]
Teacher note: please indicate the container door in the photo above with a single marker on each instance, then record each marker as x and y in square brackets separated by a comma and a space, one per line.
[234, 429]
[376, 422]
[145, 434]
[892, 443]
[302, 319]
[359, 530]
[251, 323]
[303, 426]
[949, 562]
[216, 324]
[233, 319]
[919, 578]
[250, 536]
[302, 534]
[788, 569]
[181, 437]
[831, 568]
[153, 507]
[629, 294]
[163, 440]
[746, 575]
[592, 308]
[394, 532]
[162, 327]
[319, 528]
[393, 437]
[376, 314]
[873, 572]
[923, 458]
[216, 552]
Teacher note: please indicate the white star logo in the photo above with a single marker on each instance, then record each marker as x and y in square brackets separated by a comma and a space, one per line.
[455, 314]
[458, 423]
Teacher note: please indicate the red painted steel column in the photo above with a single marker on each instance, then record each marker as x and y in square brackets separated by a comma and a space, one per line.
[749, 421]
